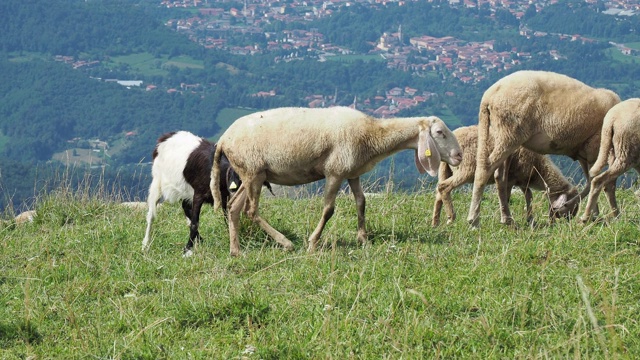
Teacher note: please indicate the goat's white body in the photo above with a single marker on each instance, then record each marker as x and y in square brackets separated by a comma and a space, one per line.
[168, 180]
[544, 112]
[619, 148]
[292, 146]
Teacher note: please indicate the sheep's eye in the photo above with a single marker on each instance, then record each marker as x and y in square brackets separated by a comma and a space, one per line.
[440, 133]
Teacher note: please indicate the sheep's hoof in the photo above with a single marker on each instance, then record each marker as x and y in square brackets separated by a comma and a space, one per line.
[475, 223]
[288, 247]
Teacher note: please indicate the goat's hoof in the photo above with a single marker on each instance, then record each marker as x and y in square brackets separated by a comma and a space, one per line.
[187, 253]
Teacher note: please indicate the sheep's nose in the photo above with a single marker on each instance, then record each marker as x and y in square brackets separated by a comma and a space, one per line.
[456, 157]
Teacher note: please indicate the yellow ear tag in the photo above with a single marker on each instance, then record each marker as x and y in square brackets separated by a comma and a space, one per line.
[233, 185]
[427, 153]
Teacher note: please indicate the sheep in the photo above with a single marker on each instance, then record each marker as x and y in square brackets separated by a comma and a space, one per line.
[181, 171]
[292, 146]
[545, 112]
[25, 217]
[619, 148]
[134, 205]
[527, 170]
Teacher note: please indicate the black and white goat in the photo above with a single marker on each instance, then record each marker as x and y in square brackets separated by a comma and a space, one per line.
[181, 171]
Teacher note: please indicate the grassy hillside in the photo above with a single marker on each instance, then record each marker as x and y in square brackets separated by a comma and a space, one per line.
[74, 284]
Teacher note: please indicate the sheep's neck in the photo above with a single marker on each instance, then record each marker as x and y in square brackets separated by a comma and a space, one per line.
[389, 136]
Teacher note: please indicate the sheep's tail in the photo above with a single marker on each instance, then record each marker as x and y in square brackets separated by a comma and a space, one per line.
[215, 178]
[606, 144]
[482, 153]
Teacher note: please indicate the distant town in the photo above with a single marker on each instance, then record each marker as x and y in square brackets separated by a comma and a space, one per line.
[467, 61]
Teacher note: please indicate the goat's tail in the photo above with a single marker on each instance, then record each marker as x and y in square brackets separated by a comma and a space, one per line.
[606, 145]
[215, 178]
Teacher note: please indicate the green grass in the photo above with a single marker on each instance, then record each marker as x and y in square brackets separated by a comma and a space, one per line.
[227, 116]
[616, 55]
[74, 284]
[150, 65]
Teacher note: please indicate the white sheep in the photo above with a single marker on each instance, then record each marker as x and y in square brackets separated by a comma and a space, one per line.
[619, 148]
[527, 170]
[292, 146]
[25, 217]
[545, 112]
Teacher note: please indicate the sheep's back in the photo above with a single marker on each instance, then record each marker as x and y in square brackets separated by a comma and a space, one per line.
[559, 113]
[294, 145]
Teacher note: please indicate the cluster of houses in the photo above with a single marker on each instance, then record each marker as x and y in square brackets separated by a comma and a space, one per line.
[467, 61]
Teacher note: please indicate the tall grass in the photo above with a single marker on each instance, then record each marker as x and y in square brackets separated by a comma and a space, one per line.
[74, 284]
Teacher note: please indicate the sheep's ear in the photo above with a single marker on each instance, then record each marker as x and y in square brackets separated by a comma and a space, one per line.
[427, 156]
[559, 202]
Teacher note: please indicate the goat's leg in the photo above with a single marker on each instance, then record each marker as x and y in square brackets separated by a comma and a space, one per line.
[194, 234]
[358, 194]
[254, 188]
[236, 205]
[152, 203]
[330, 191]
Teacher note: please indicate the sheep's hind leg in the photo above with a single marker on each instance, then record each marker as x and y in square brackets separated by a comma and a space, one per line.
[236, 205]
[603, 180]
[330, 191]
[356, 189]
[253, 200]
[484, 170]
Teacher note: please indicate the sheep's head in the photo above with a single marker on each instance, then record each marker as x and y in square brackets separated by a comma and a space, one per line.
[435, 143]
[564, 205]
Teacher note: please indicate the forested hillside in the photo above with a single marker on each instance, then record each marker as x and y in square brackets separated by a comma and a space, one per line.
[60, 62]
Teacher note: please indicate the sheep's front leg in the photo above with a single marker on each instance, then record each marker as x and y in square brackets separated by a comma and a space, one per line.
[443, 195]
[356, 189]
[504, 193]
[586, 191]
[330, 191]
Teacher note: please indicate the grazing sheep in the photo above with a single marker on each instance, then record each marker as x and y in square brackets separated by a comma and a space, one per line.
[619, 148]
[527, 170]
[292, 146]
[181, 172]
[25, 217]
[545, 112]
[135, 205]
